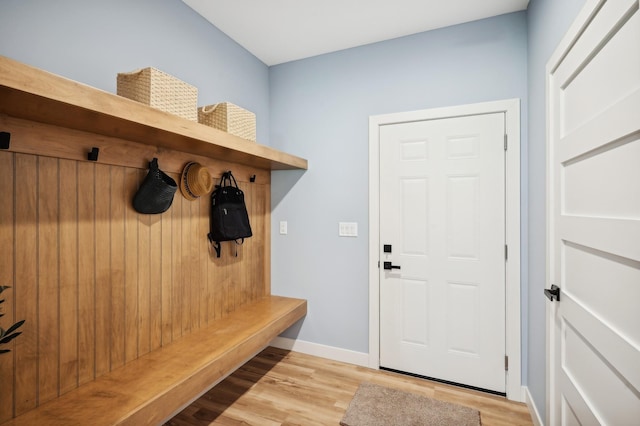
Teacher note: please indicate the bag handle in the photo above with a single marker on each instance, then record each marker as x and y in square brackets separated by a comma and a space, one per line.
[131, 74]
[209, 111]
[228, 179]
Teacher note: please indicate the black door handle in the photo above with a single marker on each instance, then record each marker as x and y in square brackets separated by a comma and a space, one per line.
[388, 265]
[553, 293]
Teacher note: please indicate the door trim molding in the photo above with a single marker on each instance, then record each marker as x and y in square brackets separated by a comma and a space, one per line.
[511, 108]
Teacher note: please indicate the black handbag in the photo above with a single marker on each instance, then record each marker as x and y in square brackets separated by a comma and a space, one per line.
[229, 217]
[155, 194]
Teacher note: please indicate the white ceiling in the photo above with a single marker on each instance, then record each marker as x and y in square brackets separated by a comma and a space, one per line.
[278, 31]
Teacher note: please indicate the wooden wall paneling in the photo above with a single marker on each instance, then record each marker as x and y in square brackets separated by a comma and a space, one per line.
[203, 258]
[103, 290]
[187, 266]
[7, 240]
[244, 264]
[256, 240]
[248, 248]
[87, 312]
[227, 275]
[48, 279]
[219, 283]
[200, 277]
[251, 255]
[25, 290]
[117, 256]
[131, 266]
[222, 281]
[266, 259]
[167, 270]
[177, 285]
[144, 280]
[155, 281]
[194, 270]
[259, 241]
[194, 254]
[216, 285]
[68, 259]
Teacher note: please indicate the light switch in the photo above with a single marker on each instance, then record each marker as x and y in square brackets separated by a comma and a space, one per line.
[348, 229]
[283, 227]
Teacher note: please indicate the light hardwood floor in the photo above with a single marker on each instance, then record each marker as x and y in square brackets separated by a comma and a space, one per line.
[279, 387]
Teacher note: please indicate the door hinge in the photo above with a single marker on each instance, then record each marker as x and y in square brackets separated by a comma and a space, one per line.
[505, 142]
[506, 363]
[506, 252]
[378, 264]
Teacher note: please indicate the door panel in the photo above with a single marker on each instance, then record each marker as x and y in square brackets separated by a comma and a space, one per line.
[594, 153]
[442, 210]
[596, 185]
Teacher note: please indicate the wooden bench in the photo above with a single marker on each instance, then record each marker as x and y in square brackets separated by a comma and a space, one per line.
[153, 388]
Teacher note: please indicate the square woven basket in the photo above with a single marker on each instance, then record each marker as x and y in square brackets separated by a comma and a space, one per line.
[160, 90]
[229, 118]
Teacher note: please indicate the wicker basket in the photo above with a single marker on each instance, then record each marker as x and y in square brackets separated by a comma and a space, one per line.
[160, 90]
[229, 118]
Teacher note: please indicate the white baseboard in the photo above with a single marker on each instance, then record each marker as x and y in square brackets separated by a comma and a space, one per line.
[533, 410]
[323, 351]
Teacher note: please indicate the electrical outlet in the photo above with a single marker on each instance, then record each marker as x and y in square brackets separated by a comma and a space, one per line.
[283, 227]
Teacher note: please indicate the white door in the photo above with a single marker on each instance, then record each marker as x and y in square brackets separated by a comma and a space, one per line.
[594, 212]
[442, 223]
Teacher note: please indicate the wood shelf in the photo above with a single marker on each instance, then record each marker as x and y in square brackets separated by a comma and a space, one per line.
[33, 94]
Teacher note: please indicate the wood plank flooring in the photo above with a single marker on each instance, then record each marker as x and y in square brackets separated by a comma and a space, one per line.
[279, 387]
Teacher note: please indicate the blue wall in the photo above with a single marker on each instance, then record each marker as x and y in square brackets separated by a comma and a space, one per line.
[320, 109]
[91, 41]
[548, 21]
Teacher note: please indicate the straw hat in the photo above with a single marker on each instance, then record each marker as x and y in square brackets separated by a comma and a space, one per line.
[195, 181]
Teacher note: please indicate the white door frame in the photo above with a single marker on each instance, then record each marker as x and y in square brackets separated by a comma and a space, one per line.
[511, 108]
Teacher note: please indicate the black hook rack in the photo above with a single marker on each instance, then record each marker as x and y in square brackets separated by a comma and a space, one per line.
[5, 138]
[252, 178]
[93, 155]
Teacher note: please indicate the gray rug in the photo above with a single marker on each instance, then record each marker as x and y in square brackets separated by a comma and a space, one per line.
[375, 405]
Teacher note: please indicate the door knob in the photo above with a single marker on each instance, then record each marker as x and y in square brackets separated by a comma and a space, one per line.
[388, 265]
[553, 293]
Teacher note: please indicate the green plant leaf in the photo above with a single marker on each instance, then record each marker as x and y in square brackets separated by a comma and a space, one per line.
[15, 326]
[10, 337]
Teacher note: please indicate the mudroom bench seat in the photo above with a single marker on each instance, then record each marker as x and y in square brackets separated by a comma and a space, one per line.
[156, 386]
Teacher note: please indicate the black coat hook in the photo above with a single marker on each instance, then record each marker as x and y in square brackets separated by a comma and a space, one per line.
[5, 138]
[93, 155]
[252, 178]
